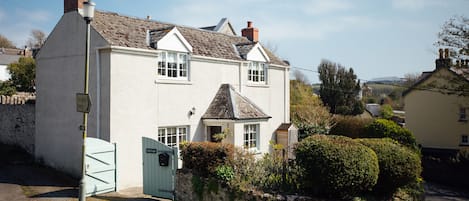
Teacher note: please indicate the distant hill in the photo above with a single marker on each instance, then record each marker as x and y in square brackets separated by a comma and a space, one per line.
[386, 80]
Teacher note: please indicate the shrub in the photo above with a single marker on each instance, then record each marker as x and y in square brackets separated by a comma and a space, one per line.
[382, 128]
[398, 166]
[336, 165]
[205, 157]
[224, 173]
[350, 126]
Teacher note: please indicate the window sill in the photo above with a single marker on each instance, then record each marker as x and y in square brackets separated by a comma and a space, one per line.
[175, 81]
[464, 145]
[463, 120]
[260, 85]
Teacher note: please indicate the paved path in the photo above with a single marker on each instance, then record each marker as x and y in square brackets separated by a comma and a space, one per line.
[435, 192]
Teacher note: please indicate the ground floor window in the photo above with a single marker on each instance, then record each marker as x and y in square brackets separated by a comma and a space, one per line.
[251, 132]
[173, 136]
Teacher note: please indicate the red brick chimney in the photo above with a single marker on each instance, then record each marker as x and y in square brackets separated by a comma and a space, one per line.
[72, 5]
[250, 32]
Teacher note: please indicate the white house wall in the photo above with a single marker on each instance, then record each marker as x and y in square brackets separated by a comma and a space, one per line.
[59, 76]
[133, 112]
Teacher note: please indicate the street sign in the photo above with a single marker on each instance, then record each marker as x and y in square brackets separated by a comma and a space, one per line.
[83, 103]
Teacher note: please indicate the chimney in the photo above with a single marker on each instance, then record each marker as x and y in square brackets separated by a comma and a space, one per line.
[72, 5]
[250, 32]
[443, 60]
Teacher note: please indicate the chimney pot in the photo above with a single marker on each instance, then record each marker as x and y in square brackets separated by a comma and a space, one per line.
[250, 32]
[441, 53]
[446, 53]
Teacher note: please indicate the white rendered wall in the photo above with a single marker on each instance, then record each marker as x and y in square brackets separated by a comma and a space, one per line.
[59, 76]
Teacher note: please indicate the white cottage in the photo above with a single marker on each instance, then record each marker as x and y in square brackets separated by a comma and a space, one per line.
[158, 80]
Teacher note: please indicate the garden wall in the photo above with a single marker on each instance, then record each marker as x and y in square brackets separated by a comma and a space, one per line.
[212, 191]
[17, 125]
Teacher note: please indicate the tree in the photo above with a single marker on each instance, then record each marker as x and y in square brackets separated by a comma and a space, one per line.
[36, 39]
[455, 35]
[307, 111]
[23, 73]
[339, 89]
[4, 42]
[410, 79]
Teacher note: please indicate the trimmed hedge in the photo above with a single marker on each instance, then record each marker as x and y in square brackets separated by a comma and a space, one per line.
[336, 166]
[350, 126]
[205, 157]
[398, 165]
[382, 128]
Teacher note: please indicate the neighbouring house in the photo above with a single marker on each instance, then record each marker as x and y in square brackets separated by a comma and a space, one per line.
[158, 80]
[374, 109]
[436, 113]
[8, 56]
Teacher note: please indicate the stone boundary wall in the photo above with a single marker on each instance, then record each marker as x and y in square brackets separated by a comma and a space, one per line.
[185, 192]
[17, 125]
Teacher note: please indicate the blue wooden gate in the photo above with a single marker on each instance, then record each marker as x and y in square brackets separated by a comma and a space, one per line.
[100, 167]
[159, 168]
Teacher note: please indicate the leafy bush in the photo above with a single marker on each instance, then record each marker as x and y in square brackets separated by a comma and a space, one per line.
[336, 165]
[7, 88]
[350, 126]
[382, 128]
[225, 173]
[398, 166]
[205, 157]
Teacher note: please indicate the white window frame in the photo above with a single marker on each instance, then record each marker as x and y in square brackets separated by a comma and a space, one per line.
[179, 68]
[250, 136]
[464, 140]
[167, 135]
[257, 72]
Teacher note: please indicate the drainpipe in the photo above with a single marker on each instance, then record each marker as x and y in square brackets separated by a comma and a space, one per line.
[98, 95]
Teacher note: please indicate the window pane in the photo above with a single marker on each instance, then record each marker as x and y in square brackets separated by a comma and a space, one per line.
[162, 135]
[162, 64]
[172, 64]
[182, 65]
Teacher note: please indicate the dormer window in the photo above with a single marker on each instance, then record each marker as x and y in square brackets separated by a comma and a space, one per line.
[257, 72]
[172, 65]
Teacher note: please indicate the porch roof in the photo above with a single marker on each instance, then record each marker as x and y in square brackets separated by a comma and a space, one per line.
[229, 104]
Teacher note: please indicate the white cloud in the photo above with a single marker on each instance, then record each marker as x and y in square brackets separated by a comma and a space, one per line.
[408, 4]
[34, 16]
[318, 7]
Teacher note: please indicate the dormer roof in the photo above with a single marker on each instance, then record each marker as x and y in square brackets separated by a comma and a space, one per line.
[169, 38]
[224, 26]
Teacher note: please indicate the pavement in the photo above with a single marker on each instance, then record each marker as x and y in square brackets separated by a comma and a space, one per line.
[22, 179]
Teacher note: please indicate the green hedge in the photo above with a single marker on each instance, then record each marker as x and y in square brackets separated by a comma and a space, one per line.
[382, 128]
[336, 166]
[205, 157]
[350, 126]
[398, 165]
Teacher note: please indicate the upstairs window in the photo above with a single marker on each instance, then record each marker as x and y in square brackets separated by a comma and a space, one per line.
[172, 65]
[257, 72]
[462, 114]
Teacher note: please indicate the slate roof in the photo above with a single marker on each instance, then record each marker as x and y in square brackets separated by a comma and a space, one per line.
[158, 34]
[458, 71]
[6, 59]
[244, 48]
[125, 31]
[229, 104]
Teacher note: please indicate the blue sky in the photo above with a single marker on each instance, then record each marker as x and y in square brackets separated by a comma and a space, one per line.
[376, 38]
